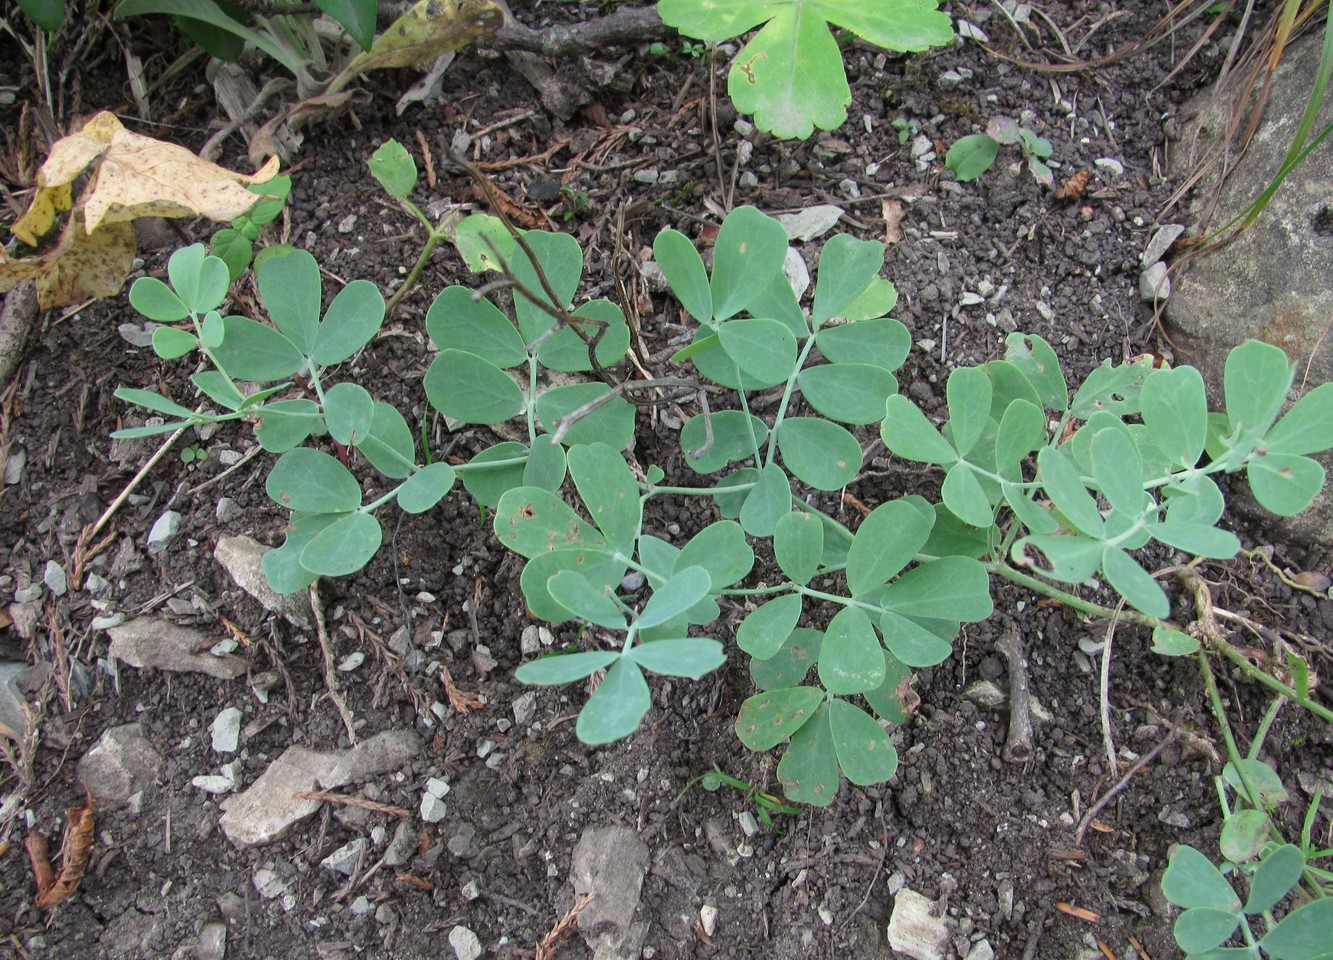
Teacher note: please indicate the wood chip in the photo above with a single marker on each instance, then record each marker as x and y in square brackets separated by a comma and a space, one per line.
[1077, 912]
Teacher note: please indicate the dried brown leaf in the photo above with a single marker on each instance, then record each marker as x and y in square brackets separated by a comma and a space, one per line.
[894, 212]
[74, 852]
[94, 266]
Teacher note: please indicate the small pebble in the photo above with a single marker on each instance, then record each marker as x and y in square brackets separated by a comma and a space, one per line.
[708, 918]
[465, 943]
[55, 578]
[227, 731]
[165, 530]
[433, 808]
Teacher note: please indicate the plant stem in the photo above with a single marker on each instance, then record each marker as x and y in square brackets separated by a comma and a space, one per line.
[434, 236]
[1071, 600]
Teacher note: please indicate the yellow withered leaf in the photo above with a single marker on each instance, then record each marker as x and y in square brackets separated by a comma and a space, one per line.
[71, 155]
[94, 266]
[41, 215]
[428, 29]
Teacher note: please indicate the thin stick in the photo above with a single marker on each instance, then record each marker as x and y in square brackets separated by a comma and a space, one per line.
[1105, 690]
[328, 796]
[1106, 797]
[330, 680]
[546, 949]
[1018, 744]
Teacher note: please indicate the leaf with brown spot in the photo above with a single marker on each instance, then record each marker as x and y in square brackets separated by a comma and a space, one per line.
[92, 268]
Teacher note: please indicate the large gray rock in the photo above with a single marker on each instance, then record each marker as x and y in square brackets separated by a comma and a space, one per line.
[122, 763]
[609, 862]
[160, 644]
[1272, 283]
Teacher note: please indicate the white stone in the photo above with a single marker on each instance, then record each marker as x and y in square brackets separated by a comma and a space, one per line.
[437, 787]
[226, 731]
[166, 529]
[345, 859]
[242, 558]
[1154, 284]
[433, 809]
[465, 943]
[811, 222]
[55, 578]
[269, 884]
[918, 928]
[708, 918]
[150, 642]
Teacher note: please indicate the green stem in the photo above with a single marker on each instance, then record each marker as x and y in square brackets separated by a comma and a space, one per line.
[434, 234]
[786, 398]
[1071, 600]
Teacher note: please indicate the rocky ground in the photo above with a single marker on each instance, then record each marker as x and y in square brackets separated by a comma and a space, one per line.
[366, 778]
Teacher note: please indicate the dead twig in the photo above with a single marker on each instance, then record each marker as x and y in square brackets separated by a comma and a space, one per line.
[346, 800]
[330, 681]
[54, 887]
[1018, 744]
[547, 948]
[1120, 785]
[1105, 689]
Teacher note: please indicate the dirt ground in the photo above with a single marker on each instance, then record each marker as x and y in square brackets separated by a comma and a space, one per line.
[994, 842]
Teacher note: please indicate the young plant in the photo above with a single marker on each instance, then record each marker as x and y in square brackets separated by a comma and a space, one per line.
[790, 74]
[1037, 488]
[765, 804]
[234, 245]
[973, 155]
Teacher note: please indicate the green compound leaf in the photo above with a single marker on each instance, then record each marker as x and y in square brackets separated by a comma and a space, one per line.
[749, 251]
[425, 488]
[971, 156]
[352, 320]
[847, 267]
[1284, 484]
[878, 299]
[394, 168]
[282, 567]
[764, 631]
[777, 301]
[1036, 518]
[1173, 643]
[677, 595]
[561, 259]
[348, 411]
[566, 352]
[1059, 477]
[908, 433]
[546, 464]
[882, 343]
[865, 751]
[290, 286]
[344, 546]
[1114, 389]
[1301, 934]
[719, 548]
[1118, 470]
[611, 423]
[767, 503]
[763, 349]
[1244, 835]
[963, 495]
[489, 484]
[199, 280]
[1274, 878]
[1022, 429]
[389, 445]
[798, 545]
[1255, 380]
[1202, 540]
[457, 322]
[1009, 385]
[1307, 427]
[851, 659]
[953, 588]
[684, 271]
[609, 491]
[275, 193]
[1134, 583]
[157, 301]
[574, 592]
[792, 661]
[1069, 558]
[679, 656]
[884, 699]
[808, 770]
[311, 481]
[531, 521]
[1203, 928]
[1191, 881]
[616, 706]
[467, 388]
[560, 668]
[731, 501]
[284, 424]
[470, 239]
[1175, 411]
[1039, 363]
[218, 388]
[596, 565]
[820, 453]
[969, 399]
[886, 542]
[172, 344]
[848, 392]
[912, 644]
[736, 436]
[254, 351]
[768, 718]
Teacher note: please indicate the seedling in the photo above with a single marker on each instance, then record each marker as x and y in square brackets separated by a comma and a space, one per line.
[194, 453]
[765, 804]
[907, 129]
[234, 245]
[973, 155]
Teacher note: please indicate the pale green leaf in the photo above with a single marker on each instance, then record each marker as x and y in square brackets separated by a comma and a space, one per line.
[808, 770]
[157, 301]
[963, 495]
[389, 445]
[1283, 483]
[719, 548]
[749, 250]
[467, 388]
[353, 318]
[611, 423]
[344, 546]
[798, 544]
[789, 665]
[908, 433]
[763, 349]
[820, 453]
[865, 751]
[254, 351]
[563, 668]
[455, 321]
[394, 168]
[616, 706]
[768, 718]
[348, 411]
[311, 481]
[290, 286]
[851, 659]
[684, 270]
[886, 542]
[765, 629]
[1134, 583]
[584, 600]
[1175, 411]
[971, 156]
[848, 392]
[425, 488]
[679, 656]
[956, 588]
[1255, 379]
[685, 588]
[882, 342]
[1039, 363]
[1307, 427]
[767, 503]
[846, 268]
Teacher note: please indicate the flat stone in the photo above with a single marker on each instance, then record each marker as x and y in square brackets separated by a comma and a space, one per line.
[122, 763]
[55, 578]
[525, 707]
[159, 644]
[433, 809]
[918, 927]
[13, 721]
[811, 222]
[226, 731]
[212, 942]
[1160, 243]
[465, 943]
[269, 884]
[345, 859]
[242, 558]
[1154, 284]
[268, 809]
[165, 530]
[610, 862]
